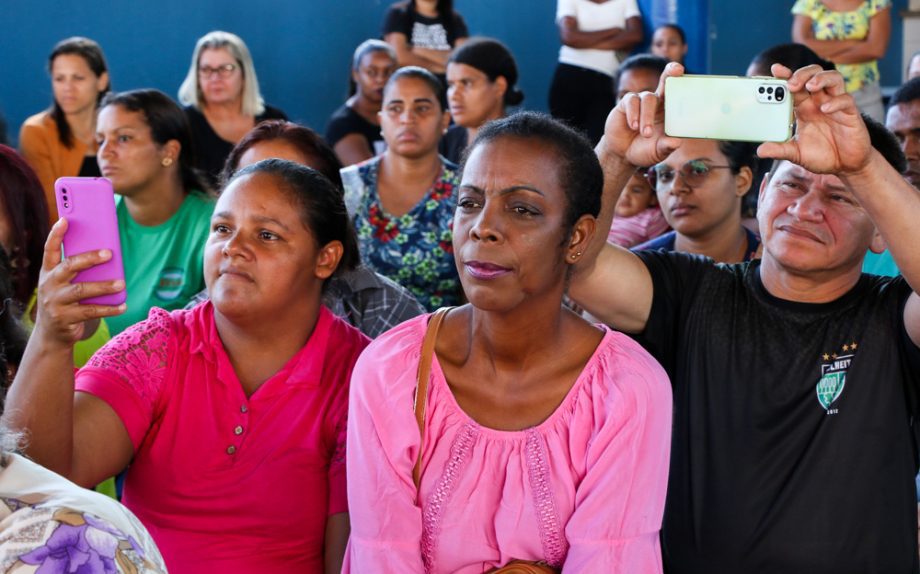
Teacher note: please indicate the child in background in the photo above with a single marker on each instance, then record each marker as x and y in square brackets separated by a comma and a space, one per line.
[670, 42]
[638, 217]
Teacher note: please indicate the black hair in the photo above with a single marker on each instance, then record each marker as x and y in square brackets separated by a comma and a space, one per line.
[23, 199]
[908, 92]
[13, 337]
[676, 28]
[739, 154]
[580, 173]
[167, 122]
[321, 203]
[306, 141]
[885, 143]
[419, 73]
[655, 64]
[92, 54]
[493, 59]
[444, 7]
[793, 56]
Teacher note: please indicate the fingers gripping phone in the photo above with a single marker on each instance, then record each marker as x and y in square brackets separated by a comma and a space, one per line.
[728, 108]
[88, 205]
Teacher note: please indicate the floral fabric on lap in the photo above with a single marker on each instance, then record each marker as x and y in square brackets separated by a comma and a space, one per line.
[49, 525]
[414, 249]
[852, 25]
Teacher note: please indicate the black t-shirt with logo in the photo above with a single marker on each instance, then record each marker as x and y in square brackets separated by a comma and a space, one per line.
[439, 33]
[794, 446]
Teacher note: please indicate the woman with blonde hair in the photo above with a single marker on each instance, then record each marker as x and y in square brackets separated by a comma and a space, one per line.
[222, 99]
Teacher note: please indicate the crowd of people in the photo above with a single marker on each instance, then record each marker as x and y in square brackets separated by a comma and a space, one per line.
[451, 335]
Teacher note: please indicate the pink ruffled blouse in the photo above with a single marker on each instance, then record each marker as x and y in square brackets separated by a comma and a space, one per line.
[585, 489]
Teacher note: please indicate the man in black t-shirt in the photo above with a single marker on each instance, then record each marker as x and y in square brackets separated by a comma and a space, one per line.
[795, 377]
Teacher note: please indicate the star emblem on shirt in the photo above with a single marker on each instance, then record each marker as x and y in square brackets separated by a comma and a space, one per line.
[846, 348]
[853, 345]
[826, 357]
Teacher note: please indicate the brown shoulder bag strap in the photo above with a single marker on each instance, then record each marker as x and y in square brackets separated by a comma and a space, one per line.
[421, 389]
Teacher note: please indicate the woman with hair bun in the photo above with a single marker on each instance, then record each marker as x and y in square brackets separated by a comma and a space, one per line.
[163, 205]
[481, 84]
[61, 141]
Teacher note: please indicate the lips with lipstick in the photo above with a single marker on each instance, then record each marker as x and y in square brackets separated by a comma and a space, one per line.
[485, 271]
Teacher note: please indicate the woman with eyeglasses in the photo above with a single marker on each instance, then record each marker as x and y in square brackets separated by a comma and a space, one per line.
[353, 130]
[222, 99]
[699, 188]
[61, 141]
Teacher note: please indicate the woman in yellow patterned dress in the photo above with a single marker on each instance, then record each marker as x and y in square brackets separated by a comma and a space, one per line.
[852, 34]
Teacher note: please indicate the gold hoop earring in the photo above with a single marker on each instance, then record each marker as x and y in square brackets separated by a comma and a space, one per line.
[167, 161]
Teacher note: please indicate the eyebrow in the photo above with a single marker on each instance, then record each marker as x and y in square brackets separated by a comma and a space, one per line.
[507, 190]
[830, 187]
[415, 101]
[258, 218]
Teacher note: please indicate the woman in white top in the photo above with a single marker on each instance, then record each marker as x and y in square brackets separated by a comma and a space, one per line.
[594, 35]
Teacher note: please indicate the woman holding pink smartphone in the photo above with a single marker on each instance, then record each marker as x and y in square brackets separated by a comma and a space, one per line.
[231, 415]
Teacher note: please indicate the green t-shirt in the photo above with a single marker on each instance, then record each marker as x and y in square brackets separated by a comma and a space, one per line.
[163, 263]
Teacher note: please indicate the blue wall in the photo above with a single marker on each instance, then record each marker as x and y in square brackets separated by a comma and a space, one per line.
[741, 29]
[302, 49]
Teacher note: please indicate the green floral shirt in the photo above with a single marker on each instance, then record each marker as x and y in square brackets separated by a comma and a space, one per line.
[414, 249]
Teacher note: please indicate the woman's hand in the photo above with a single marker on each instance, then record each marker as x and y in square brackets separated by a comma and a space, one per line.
[830, 135]
[61, 316]
[634, 130]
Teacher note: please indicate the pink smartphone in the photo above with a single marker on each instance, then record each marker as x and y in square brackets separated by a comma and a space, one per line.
[88, 205]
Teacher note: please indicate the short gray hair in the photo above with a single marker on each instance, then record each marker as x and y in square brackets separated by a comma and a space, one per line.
[190, 90]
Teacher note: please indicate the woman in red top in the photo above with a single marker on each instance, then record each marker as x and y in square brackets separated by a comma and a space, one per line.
[232, 414]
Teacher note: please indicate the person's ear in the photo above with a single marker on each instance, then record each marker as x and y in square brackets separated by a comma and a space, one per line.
[102, 83]
[743, 180]
[169, 152]
[445, 121]
[580, 239]
[878, 244]
[327, 260]
[501, 85]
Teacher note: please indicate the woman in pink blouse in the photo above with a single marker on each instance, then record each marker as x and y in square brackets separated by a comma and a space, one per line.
[232, 414]
[546, 438]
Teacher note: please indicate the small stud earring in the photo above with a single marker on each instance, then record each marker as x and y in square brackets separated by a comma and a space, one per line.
[167, 161]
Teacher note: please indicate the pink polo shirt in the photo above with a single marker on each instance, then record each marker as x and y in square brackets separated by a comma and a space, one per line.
[223, 482]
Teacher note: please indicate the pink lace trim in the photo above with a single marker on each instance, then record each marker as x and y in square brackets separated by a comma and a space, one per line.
[555, 546]
[138, 355]
[433, 511]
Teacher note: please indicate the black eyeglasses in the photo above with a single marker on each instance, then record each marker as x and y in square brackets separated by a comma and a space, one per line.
[222, 71]
[694, 173]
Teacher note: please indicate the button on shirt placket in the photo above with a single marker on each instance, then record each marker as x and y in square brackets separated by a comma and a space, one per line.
[238, 430]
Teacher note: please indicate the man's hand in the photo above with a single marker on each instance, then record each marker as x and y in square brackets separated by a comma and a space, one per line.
[831, 136]
[634, 130]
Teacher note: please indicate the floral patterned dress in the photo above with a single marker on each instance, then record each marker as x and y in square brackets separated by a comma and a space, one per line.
[853, 25]
[49, 525]
[413, 249]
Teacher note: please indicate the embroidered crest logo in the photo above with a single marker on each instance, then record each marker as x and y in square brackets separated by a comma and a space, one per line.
[833, 376]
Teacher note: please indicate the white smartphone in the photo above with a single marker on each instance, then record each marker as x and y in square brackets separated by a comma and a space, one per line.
[735, 108]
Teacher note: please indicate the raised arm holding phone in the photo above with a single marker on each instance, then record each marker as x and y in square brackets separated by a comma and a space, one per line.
[794, 378]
